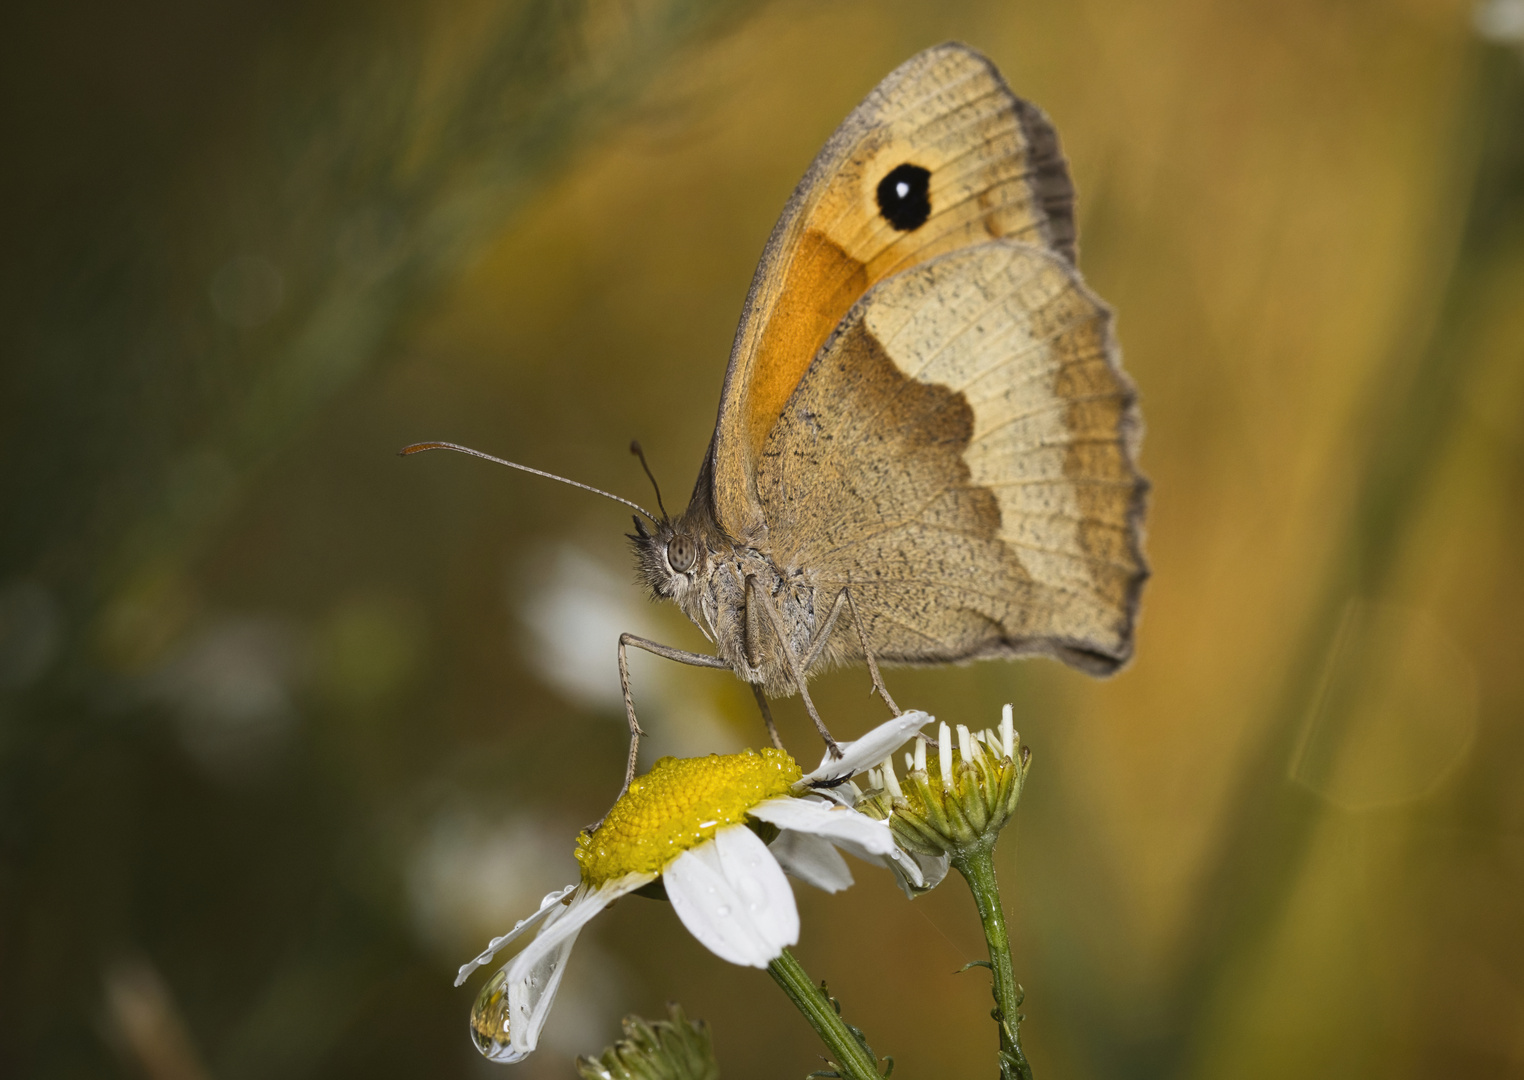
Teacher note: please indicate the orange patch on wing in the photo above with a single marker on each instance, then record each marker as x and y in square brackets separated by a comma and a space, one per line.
[822, 285]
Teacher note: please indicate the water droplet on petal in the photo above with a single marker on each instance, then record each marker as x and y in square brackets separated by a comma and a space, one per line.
[489, 1020]
[723, 910]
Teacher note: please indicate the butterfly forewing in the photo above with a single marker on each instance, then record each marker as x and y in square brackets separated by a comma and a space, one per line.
[939, 157]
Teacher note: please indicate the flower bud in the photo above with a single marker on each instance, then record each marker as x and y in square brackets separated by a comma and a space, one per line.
[959, 798]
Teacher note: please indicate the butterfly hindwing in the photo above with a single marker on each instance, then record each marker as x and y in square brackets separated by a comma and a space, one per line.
[961, 455]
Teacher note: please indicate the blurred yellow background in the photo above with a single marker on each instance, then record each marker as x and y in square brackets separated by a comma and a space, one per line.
[289, 727]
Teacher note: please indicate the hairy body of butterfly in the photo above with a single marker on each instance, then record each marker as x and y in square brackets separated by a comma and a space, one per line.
[762, 619]
[730, 592]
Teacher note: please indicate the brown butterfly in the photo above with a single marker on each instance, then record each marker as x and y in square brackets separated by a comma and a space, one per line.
[925, 450]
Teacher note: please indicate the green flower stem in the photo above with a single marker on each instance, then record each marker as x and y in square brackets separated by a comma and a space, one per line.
[847, 1052]
[977, 865]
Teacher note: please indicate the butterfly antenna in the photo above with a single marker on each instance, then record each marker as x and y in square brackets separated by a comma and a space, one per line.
[641, 454]
[418, 448]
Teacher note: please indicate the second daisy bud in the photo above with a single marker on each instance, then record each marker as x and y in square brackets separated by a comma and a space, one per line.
[955, 799]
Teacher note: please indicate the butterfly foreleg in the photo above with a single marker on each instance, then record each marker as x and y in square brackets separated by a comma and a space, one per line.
[775, 620]
[844, 600]
[682, 656]
[767, 715]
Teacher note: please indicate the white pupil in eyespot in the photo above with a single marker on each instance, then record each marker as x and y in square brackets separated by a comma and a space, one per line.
[902, 189]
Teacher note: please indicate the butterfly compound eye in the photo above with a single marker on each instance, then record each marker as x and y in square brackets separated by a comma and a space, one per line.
[904, 197]
[682, 553]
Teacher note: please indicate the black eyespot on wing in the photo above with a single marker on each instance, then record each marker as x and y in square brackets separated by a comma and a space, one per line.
[904, 196]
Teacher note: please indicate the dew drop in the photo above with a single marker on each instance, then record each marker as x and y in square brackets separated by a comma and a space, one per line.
[489, 1020]
[723, 910]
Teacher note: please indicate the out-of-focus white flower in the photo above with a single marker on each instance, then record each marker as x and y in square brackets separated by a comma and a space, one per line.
[574, 610]
[1501, 21]
[469, 873]
[232, 686]
[686, 822]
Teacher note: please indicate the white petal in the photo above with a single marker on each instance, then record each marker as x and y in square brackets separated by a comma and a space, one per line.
[534, 975]
[869, 750]
[855, 833]
[811, 860]
[547, 906]
[731, 894]
[859, 834]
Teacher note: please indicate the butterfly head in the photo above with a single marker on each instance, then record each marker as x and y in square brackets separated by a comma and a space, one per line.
[672, 556]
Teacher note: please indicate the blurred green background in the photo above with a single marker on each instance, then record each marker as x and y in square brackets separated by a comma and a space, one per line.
[290, 726]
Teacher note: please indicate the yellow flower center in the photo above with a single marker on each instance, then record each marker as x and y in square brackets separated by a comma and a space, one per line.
[679, 804]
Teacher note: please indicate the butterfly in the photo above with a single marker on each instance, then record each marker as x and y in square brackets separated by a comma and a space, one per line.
[926, 446]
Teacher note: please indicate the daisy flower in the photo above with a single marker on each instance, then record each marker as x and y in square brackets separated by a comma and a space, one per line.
[693, 823]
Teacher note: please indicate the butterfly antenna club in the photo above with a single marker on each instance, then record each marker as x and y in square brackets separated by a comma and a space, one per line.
[641, 454]
[418, 448]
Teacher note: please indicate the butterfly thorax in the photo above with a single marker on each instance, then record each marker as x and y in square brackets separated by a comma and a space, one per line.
[722, 586]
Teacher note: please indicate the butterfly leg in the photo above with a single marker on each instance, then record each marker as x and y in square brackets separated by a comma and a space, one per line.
[862, 637]
[767, 715]
[682, 656]
[825, 631]
[776, 622]
[844, 600]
